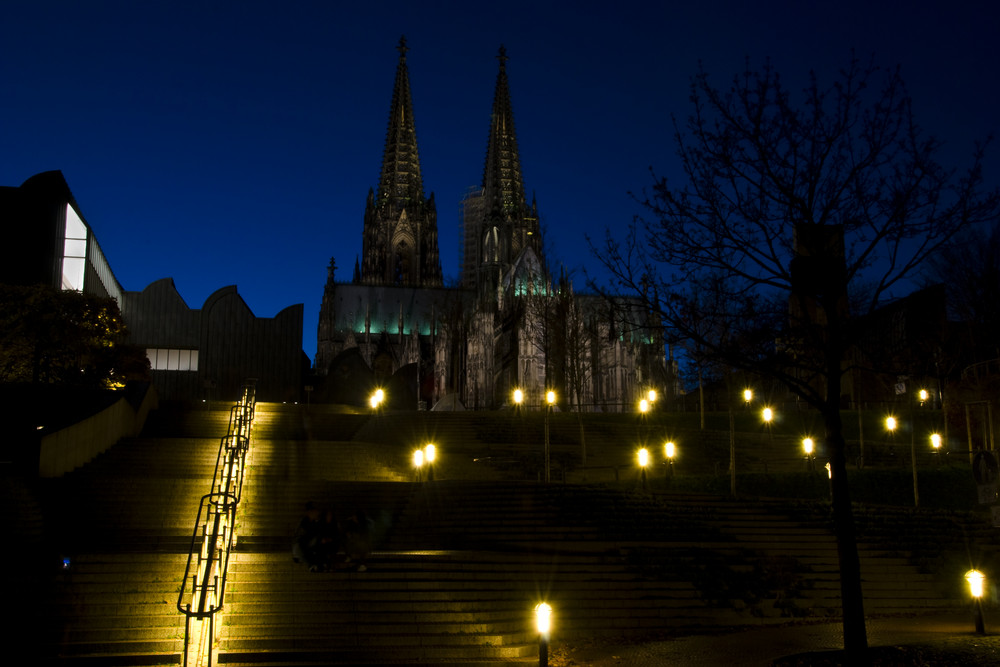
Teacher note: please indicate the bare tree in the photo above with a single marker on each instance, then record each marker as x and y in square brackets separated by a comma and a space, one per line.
[969, 267]
[796, 216]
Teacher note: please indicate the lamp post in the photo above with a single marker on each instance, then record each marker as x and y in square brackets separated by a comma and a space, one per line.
[890, 426]
[418, 462]
[643, 455]
[550, 401]
[936, 447]
[975, 579]
[670, 450]
[643, 409]
[922, 396]
[809, 447]
[518, 397]
[543, 623]
[430, 454]
[767, 414]
[747, 397]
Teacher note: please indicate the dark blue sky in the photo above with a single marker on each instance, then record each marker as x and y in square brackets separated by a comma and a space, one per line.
[224, 143]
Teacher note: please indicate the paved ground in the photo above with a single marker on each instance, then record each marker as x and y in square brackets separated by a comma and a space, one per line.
[761, 646]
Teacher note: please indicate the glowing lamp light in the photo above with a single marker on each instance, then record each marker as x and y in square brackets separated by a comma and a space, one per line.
[418, 458]
[652, 396]
[543, 618]
[890, 424]
[644, 405]
[643, 457]
[550, 397]
[747, 395]
[829, 471]
[670, 450]
[518, 396]
[923, 395]
[430, 452]
[936, 441]
[768, 415]
[975, 579]
[808, 445]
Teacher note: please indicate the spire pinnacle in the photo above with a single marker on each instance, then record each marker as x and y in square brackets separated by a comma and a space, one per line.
[502, 181]
[400, 178]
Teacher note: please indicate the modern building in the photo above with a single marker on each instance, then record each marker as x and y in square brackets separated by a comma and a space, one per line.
[508, 324]
[209, 352]
[194, 354]
[56, 246]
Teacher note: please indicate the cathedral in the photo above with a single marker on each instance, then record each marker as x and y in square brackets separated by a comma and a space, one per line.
[509, 323]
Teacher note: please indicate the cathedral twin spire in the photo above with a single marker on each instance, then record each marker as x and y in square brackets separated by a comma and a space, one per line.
[505, 205]
[400, 177]
[400, 233]
[399, 242]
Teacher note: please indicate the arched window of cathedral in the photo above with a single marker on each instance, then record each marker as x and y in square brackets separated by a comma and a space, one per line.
[402, 264]
[491, 247]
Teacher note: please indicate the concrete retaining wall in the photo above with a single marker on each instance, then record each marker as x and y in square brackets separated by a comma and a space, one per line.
[71, 447]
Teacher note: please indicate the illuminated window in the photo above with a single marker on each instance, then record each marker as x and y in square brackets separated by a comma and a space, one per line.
[74, 251]
[172, 360]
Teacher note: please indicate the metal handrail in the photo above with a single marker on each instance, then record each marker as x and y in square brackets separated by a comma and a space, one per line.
[215, 526]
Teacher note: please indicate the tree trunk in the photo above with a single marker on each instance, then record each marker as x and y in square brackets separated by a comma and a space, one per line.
[851, 596]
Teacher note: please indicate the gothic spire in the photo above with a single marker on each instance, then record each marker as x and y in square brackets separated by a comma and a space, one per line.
[503, 184]
[400, 180]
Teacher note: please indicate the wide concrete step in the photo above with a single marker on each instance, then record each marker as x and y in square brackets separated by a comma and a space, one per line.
[348, 622]
[387, 656]
[103, 649]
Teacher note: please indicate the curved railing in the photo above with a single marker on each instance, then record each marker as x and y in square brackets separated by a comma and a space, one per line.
[203, 587]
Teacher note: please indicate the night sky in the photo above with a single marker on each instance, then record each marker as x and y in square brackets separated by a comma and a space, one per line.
[225, 143]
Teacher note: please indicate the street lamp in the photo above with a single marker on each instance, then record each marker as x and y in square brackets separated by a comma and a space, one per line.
[430, 454]
[376, 399]
[518, 400]
[975, 579]
[670, 450]
[747, 397]
[418, 461]
[651, 396]
[923, 396]
[644, 406]
[643, 455]
[768, 415]
[809, 447]
[936, 446]
[550, 401]
[890, 426]
[543, 623]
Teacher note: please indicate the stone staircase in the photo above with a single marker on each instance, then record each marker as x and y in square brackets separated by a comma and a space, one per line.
[118, 532]
[795, 554]
[459, 562]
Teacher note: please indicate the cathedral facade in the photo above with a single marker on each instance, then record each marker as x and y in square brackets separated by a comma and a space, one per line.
[509, 324]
